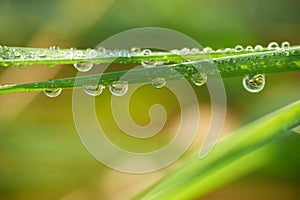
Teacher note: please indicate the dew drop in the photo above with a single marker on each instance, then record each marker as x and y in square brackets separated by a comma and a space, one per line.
[83, 66]
[119, 88]
[258, 48]
[273, 46]
[227, 50]
[92, 53]
[159, 82]
[147, 52]
[199, 79]
[285, 45]
[184, 51]
[54, 48]
[207, 50]
[249, 49]
[78, 53]
[136, 49]
[148, 63]
[254, 83]
[93, 90]
[238, 48]
[195, 51]
[52, 92]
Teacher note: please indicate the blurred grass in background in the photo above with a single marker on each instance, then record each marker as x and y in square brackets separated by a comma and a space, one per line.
[41, 156]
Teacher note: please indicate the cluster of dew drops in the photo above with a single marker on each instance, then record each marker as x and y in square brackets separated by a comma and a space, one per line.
[253, 83]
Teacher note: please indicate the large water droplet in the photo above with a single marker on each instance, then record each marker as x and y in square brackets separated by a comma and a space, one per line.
[254, 82]
[119, 88]
[149, 63]
[199, 79]
[83, 66]
[52, 92]
[273, 46]
[159, 82]
[285, 45]
[93, 90]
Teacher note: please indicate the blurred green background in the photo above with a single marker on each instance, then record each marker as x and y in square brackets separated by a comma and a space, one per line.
[41, 156]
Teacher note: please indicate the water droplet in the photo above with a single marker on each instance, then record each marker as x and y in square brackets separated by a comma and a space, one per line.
[83, 66]
[159, 82]
[184, 51]
[54, 48]
[92, 53]
[124, 53]
[149, 63]
[249, 49]
[273, 46]
[147, 52]
[238, 48]
[207, 50]
[285, 45]
[78, 53]
[219, 51]
[227, 50]
[199, 79]
[258, 48]
[52, 92]
[119, 88]
[175, 51]
[136, 50]
[93, 90]
[195, 51]
[254, 82]
[41, 53]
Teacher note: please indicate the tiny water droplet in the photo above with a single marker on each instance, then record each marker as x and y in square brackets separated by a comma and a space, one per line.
[238, 48]
[195, 51]
[136, 49]
[273, 46]
[78, 53]
[175, 51]
[254, 82]
[258, 48]
[159, 82]
[184, 51]
[147, 52]
[119, 88]
[249, 49]
[83, 66]
[52, 92]
[207, 50]
[148, 63]
[93, 90]
[92, 53]
[54, 48]
[199, 79]
[227, 50]
[285, 45]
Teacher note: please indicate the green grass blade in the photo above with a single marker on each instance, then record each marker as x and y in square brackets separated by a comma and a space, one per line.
[227, 65]
[231, 158]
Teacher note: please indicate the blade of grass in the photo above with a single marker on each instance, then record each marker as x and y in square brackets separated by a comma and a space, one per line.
[227, 66]
[232, 157]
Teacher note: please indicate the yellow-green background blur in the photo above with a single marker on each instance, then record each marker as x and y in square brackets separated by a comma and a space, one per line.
[41, 156]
